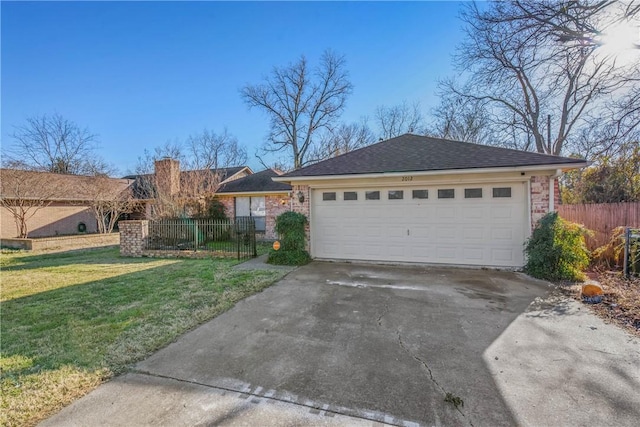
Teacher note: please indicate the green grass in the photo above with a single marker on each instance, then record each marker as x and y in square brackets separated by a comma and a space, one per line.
[72, 320]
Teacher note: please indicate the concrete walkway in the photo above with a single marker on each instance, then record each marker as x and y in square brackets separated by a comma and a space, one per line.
[348, 344]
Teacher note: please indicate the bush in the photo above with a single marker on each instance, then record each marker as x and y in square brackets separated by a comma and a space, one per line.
[557, 250]
[290, 226]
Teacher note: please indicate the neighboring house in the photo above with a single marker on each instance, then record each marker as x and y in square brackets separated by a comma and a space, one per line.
[57, 204]
[421, 199]
[168, 181]
[257, 196]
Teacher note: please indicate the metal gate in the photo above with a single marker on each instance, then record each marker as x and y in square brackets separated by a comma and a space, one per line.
[224, 238]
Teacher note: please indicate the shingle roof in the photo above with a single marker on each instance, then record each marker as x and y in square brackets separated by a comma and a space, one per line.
[413, 153]
[258, 182]
[29, 185]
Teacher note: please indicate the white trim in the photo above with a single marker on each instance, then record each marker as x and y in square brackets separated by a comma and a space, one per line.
[430, 173]
[249, 193]
[552, 189]
[443, 181]
[529, 215]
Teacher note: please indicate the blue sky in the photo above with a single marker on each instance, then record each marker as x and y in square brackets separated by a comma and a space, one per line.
[140, 74]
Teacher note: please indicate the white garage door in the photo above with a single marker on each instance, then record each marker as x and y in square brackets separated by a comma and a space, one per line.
[453, 224]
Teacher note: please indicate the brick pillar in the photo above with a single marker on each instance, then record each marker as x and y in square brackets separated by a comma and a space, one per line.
[539, 198]
[275, 205]
[303, 208]
[132, 237]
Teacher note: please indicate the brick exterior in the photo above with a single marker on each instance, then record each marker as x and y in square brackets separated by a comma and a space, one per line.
[229, 205]
[557, 200]
[303, 208]
[132, 237]
[56, 219]
[167, 176]
[275, 205]
[539, 198]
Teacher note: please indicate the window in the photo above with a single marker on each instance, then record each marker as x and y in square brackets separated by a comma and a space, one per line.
[372, 195]
[473, 193]
[396, 195]
[350, 195]
[420, 194]
[449, 193]
[329, 196]
[253, 207]
[502, 192]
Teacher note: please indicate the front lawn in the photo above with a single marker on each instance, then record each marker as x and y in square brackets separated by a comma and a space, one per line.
[72, 320]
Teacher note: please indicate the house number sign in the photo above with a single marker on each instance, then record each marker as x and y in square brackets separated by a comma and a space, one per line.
[407, 178]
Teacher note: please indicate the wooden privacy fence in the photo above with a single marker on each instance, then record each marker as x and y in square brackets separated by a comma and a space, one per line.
[602, 218]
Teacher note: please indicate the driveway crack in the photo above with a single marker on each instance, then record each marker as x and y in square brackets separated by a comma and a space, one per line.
[428, 369]
[384, 313]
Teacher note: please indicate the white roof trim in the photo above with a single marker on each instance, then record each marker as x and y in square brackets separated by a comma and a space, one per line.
[563, 166]
[248, 193]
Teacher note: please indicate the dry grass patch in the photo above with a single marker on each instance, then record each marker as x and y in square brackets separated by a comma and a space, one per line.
[72, 320]
[621, 300]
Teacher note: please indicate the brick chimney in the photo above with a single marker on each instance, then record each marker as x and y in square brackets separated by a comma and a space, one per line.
[167, 172]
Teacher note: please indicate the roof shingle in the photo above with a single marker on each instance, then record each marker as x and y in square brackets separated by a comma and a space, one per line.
[413, 153]
[258, 182]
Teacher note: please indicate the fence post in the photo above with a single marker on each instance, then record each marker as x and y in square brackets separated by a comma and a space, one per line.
[195, 236]
[627, 249]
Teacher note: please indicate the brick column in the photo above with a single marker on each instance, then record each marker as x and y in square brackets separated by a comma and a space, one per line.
[132, 237]
[275, 205]
[539, 198]
[303, 208]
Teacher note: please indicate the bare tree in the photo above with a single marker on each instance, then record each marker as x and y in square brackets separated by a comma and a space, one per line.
[24, 193]
[301, 103]
[461, 119]
[56, 144]
[210, 150]
[539, 69]
[399, 119]
[343, 139]
[203, 158]
[109, 201]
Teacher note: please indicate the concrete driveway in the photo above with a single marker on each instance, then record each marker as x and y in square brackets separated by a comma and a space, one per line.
[348, 344]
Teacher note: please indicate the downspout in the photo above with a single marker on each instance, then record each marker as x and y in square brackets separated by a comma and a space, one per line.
[552, 189]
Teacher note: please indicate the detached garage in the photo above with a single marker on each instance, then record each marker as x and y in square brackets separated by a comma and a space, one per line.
[426, 200]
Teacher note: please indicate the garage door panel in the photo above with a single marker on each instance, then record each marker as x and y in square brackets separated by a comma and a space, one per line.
[473, 254]
[477, 231]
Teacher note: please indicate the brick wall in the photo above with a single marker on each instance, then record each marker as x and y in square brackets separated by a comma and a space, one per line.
[303, 208]
[132, 237]
[274, 206]
[539, 198]
[63, 243]
[229, 206]
[55, 219]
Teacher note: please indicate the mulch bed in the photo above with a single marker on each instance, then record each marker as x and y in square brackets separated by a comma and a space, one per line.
[621, 301]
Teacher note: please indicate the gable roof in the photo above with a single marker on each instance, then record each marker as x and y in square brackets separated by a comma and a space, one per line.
[414, 153]
[258, 182]
[34, 185]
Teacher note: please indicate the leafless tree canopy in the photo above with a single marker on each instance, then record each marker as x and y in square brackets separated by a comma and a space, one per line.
[345, 138]
[56, 144]
[301, 103]
[108, 204]
[399, 119]
[534, 63]
[201, 157]
[461, 119]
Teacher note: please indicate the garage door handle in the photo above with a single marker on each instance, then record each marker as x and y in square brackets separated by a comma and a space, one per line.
[407, 232]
